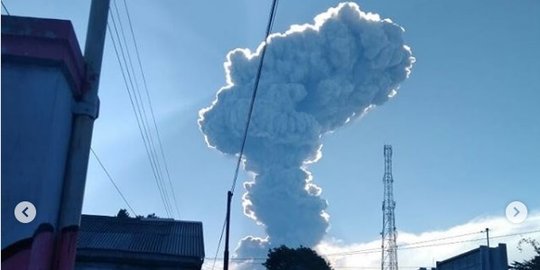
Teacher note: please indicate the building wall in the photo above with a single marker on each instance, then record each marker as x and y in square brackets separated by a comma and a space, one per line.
[36, 127]
[43, 72]
[472, 261]
[483, 258]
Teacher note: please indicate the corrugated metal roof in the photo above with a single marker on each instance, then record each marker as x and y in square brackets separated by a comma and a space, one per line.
[154, 236]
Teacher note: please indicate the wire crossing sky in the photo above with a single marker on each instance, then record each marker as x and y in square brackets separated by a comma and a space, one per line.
[240, 155]
[463, 127]
[158, 162]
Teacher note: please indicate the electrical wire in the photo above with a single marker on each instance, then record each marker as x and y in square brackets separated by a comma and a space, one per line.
[405, 246]
[160, 144]
[155, 152]
[443, 238]
[138, 113]
[135, 110]
[140, 104]
[471, 240]
[254, 95]
[250, 112]
[112, 181]
[5, 8]
[220, 239]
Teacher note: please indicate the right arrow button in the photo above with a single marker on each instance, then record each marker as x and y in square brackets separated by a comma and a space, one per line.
[516, 212]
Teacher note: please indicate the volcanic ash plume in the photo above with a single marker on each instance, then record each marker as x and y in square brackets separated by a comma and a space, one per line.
[315, 78]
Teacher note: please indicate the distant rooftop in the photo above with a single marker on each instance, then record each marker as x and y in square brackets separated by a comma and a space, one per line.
[482, 258]
[149, 239]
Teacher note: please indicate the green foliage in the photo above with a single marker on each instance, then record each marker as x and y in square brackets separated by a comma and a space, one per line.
[302, 258]
[532, 264]
[122, 213]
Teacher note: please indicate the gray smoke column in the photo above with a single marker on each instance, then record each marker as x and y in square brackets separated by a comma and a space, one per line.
[315, 78]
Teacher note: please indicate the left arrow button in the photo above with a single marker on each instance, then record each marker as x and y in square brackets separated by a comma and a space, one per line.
[25, 212]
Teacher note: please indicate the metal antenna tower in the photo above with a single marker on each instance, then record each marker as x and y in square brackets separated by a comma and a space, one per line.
[389, 234]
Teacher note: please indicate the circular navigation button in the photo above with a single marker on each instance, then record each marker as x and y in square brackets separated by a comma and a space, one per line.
[25, 212]
[516, 212]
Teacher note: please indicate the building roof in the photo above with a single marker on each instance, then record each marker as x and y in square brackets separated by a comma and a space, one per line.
[145, 236]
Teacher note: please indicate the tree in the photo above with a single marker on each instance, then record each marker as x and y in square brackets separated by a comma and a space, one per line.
[302, 258]
[532, 264]
[122, 213]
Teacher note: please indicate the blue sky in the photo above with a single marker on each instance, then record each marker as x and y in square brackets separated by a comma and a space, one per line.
[464, 126]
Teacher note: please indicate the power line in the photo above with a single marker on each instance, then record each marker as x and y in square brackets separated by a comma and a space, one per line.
[413, 245]
[112, 181]
[148, 135]
[151, 107]
[402, 246]
[473, 240]
[135, 108]
[443, 238]
[254, 95]
[219, 243]
[250, 112]
[5, 8]
[140, 106]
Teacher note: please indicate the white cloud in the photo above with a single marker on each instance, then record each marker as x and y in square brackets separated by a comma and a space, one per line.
[316, 78]
[423, 250]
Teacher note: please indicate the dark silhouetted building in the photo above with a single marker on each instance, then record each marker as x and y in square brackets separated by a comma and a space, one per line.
[482, 258]
[139, 244]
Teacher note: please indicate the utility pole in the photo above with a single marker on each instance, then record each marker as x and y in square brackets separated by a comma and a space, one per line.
[389, 234]
[227, 230]
[84, 113]
[487, 236]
